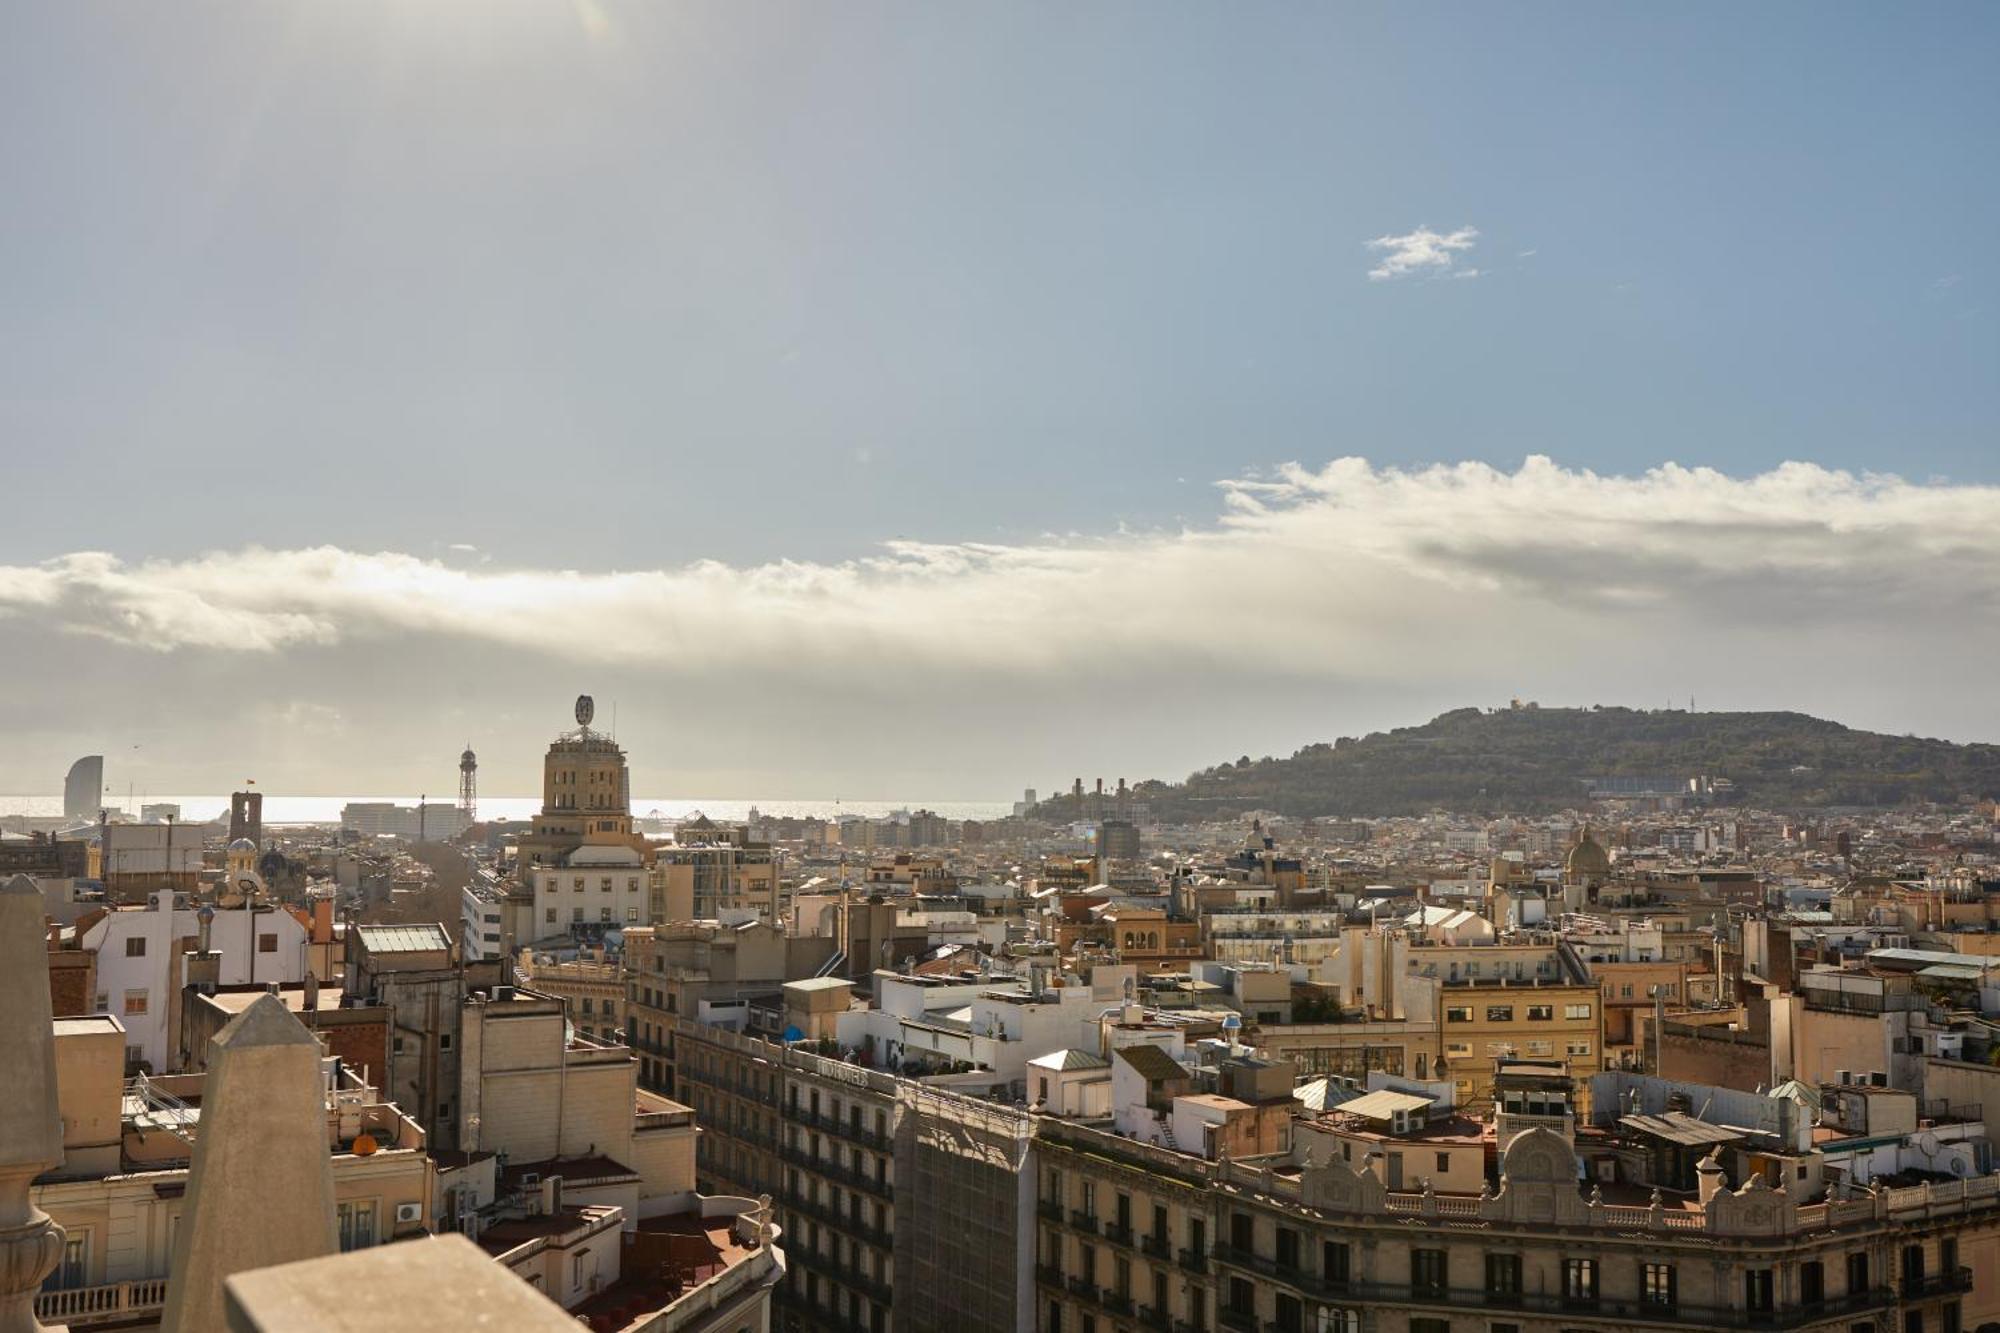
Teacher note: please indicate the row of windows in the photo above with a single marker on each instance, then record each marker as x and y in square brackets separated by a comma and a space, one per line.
[653, 999]
[135, 945]
[822, 1293]
[1504, 1013]
[604, 883]
[1121, 1214]
[1574, 1046]
[566, 777]
[1669, 990]
[855, 1110]
[604, 914]
[1658, 1281]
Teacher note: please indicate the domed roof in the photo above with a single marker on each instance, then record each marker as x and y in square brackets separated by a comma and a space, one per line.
[243, 845]
[1586, 858]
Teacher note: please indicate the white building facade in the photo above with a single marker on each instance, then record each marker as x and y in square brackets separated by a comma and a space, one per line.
[140, 962]
[599, 888]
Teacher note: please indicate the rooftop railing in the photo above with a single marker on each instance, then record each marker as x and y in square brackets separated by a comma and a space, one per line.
[81, 1306]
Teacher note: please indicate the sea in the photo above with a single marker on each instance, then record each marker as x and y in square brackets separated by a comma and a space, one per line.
[326, 809]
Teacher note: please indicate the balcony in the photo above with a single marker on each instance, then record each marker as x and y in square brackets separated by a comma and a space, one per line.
[877, 1291]
[1159, 1247]
[1637, 1313]
[1951, 1281]
[122, 1301]
[1083, 1288]
[1117, 1302]
[1237, 1257]
[850, 1226]
[1240, 1319]
[1194, 1261]
[1151, 1316]
[1050, 1209]
[846, 1129]
[1083, 1221]
[833, 1270]
[1120, 1232]
[880, 1186]
[1050, 1275]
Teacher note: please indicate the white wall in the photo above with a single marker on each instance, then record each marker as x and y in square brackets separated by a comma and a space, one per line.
[156, 973]
[555, 891]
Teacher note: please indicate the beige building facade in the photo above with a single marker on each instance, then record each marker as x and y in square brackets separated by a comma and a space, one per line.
[119, 1192]
[1328, 1249]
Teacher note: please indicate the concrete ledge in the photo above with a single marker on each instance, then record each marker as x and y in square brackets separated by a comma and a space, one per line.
[441, 1284]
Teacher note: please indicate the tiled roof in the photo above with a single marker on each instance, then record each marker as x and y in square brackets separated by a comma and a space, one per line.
[1151, 1063]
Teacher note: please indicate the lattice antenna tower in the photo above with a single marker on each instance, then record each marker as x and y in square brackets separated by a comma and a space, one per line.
[468, 786]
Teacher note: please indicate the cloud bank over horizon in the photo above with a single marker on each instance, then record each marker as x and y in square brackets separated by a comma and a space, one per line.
[1316, 601]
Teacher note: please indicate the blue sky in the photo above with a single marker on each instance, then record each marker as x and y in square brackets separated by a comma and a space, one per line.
[606, 286]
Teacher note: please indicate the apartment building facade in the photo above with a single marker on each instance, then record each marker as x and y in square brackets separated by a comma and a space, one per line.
[1134, 1236]
[904, 1206]
[1487, 1022]
[592, 990]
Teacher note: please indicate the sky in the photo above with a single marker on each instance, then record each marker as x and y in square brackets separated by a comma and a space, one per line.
[911, 399]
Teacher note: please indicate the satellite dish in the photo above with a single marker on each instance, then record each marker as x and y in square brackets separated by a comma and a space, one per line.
[586, 709]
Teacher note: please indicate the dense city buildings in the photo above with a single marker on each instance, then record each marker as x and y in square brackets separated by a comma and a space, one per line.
[1637, 1065]
[879, 408]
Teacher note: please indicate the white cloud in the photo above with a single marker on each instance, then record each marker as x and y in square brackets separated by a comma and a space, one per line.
[1326, 552]
[1320, 601]
[1423, 252]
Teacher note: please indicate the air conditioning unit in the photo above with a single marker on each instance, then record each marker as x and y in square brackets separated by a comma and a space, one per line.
[409, 1212]
[530, 1179]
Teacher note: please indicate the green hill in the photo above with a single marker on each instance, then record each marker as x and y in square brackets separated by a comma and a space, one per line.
[1523, 760]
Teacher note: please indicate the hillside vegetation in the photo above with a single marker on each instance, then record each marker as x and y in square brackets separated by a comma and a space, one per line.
[1536, 759]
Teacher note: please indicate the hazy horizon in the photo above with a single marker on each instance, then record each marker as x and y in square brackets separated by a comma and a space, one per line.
[906, 398]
